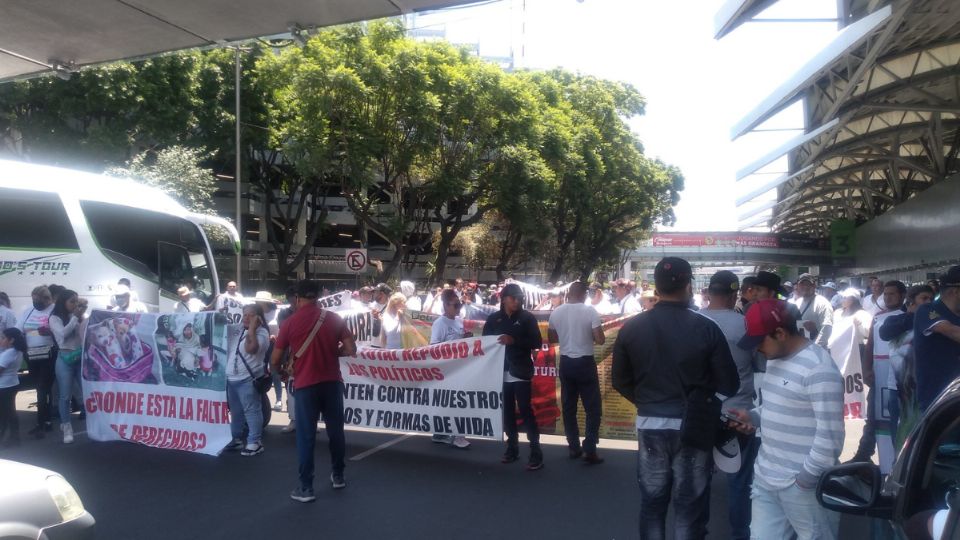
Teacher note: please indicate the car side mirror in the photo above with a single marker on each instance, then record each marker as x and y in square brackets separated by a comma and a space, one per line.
[854, 488]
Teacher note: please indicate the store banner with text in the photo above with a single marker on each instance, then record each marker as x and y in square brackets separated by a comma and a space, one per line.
[450, 388]
[157, 379]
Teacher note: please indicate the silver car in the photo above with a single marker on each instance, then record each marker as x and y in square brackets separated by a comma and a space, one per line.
[39, 504]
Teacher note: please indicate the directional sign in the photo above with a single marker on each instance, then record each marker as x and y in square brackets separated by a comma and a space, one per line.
[356, 260]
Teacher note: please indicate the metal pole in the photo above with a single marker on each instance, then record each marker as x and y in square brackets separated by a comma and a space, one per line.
[237, 168]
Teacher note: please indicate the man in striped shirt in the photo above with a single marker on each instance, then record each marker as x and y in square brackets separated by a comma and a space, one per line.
[802, 421]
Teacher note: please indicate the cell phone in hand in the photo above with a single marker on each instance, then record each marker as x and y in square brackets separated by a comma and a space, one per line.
[731, 418]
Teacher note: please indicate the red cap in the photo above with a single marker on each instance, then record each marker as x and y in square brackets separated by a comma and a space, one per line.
[762, 319]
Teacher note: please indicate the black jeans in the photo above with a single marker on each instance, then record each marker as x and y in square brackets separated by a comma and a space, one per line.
[868, 440]
[9, 423]
[670, 472]
[516, 395]
[42, 375]
[579, 381]
[309, 402]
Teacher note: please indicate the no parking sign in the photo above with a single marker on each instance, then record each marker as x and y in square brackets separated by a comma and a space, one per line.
[356, 260]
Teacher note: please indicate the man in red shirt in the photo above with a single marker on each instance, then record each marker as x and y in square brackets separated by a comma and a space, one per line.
[315, 351]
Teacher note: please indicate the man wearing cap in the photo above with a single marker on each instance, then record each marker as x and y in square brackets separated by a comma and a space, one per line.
[187, 303]
[381, 294]
[648, 299]
[324, 338]
[816, 313]
[577, 328]
[123, 297]
[598, 300]
[767, 287]
[802, 421]
[829, 291]
[519, 331]
[722, 292]
[936, 340]
[660, 358]
[626, 301]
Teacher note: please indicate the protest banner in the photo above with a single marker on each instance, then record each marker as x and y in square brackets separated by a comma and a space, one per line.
[448, 388]
[619, 415]
[157, 379]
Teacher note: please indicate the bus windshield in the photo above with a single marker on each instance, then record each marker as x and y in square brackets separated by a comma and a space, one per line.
[161, 248]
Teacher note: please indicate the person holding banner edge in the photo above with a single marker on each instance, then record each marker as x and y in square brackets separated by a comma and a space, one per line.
[520, 333]
[448, 328]
[316, 339]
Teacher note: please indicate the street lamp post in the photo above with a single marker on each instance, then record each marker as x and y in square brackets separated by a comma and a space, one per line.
[237, 169]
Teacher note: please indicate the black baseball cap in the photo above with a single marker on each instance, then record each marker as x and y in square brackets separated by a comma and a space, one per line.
[671, 272]
[724, 282]
[950, 278]
[807, 277]
[384, 288]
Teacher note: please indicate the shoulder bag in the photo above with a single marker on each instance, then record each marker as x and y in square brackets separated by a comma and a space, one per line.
[262, 383]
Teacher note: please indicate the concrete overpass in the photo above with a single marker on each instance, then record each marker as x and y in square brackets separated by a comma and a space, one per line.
[713, 248]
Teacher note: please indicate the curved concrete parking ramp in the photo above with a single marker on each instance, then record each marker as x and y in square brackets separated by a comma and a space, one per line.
[38, 36]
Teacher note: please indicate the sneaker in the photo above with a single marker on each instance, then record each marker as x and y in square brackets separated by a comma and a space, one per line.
[460, 442]
[36, 432]
[67, 430]
[576, 453]
[591, 458]
[510, 456]
[234, 445]
[278, 407]
[288, 428]
[442, 439]
[535, 464]
[337, 481]
[302, 494]
[252, 450]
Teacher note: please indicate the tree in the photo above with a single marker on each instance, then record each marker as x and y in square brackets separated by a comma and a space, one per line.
[484, 156]
[357, 107]
[176, 171]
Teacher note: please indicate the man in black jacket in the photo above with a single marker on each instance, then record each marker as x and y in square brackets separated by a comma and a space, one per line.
[519, 331]
[661, 357]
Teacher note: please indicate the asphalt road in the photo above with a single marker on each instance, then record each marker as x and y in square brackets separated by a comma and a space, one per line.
[397, 487]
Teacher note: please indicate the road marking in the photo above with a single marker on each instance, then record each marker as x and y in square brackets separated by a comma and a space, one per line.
[383, 446]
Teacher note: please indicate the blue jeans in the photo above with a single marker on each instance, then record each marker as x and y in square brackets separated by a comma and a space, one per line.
[310, 402]
[738, 488]
[68, 378]
[791, 512]
[579, 381]
[277, 386]
[245, 407]
[669, 472]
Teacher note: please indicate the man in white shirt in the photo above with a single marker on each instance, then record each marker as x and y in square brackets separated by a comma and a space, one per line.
[626, 302]
[576, 326]
[873, 303]
[187, 303]
[599, 301]
[8, 319]
[231, 303]
[816, 313]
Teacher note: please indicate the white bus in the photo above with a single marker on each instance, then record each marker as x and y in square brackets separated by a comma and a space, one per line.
[86, 231]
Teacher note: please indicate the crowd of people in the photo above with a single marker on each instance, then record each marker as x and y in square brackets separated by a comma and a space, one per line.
[760, 353]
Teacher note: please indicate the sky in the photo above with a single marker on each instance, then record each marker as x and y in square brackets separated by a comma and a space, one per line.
[696, 87]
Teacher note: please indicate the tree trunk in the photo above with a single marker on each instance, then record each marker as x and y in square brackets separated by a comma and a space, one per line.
[443, 253]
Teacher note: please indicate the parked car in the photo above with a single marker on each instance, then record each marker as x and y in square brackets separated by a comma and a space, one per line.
[39, 504]
[925, 478]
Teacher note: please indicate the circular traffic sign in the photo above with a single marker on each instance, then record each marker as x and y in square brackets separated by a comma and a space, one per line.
[356, 260]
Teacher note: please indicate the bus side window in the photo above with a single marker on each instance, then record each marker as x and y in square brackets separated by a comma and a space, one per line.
[34, 220]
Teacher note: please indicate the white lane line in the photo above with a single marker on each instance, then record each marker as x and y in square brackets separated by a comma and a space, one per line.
[383, 446]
